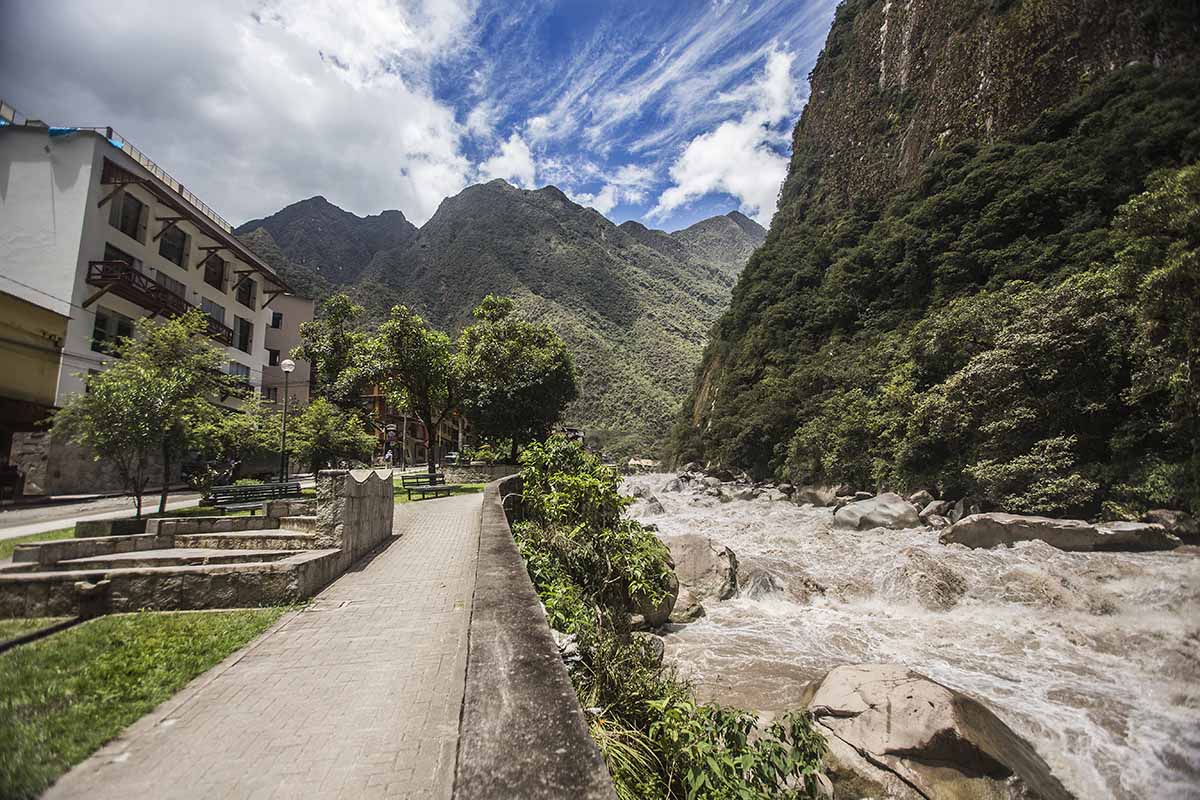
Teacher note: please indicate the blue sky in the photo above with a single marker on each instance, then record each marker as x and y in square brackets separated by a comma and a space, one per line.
[666, 112]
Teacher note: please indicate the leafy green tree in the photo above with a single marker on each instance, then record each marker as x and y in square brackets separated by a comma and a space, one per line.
[149, 401]
[231, 438]
[416, 366]
[517, 376]
[335, 345]
[1159, 234]
[322, 434]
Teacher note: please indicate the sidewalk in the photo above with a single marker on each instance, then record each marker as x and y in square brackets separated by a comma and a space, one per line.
[357, 696]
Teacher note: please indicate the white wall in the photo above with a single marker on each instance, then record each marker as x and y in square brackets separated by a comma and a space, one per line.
[51, 227]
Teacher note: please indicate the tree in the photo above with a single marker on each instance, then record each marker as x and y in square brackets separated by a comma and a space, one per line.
[322, 434]
[1159, 236]
[149, 400]
[517, 376]
[417, 366]
[231, 438]
[334, 345]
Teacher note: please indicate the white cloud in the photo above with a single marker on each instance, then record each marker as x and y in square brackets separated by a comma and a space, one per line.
[514, 163]
[628, 185]
[737, 156]
[481, 120]
[255, 105]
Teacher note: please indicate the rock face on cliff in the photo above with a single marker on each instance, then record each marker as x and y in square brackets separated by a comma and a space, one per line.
[916, 738]
[956, 193]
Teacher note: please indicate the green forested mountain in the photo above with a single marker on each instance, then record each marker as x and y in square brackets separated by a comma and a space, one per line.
[982, 273]
[634, 304]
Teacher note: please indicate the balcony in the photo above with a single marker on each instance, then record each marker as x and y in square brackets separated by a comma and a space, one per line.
[119, 278]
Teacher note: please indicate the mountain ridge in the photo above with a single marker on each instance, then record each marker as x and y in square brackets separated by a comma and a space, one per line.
[633, 303]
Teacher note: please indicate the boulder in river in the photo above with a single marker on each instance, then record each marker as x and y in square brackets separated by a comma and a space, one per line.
[917, 738]
[652, 505]
[921, 498]
[1176, 523]
[712, 482]
[935, 508]
[693, 466]
[763, 584]
[722, 475]
[920, 576]
[991, 529]
[887, 510]
[816, 495]
[965, 508]
[706, 568]
[687, 608]
[674, 485]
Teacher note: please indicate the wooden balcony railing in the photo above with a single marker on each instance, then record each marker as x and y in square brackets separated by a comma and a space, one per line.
[121, 279]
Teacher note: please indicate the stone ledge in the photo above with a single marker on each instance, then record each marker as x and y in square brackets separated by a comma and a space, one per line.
[523, 733]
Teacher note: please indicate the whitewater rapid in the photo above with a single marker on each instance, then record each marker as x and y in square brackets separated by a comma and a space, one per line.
[1093, 657]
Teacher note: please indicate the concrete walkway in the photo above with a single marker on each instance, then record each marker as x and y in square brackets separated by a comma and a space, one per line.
[357, 696]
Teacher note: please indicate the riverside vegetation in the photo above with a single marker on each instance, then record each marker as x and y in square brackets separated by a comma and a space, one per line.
[1021, 322]
[592, 568]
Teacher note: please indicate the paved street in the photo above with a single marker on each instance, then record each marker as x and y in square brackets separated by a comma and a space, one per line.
[28, 520]
[358, 696]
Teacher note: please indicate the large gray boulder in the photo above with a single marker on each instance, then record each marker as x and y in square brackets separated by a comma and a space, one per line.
[887, 510]
[965, 508]
[936, 508]
[817, 495]
[994, 528]
[1176, 523]
[916, 738]
[674, 485]
[931, 583]
[705, 568]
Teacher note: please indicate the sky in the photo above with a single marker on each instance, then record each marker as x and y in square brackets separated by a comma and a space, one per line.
[664, 111]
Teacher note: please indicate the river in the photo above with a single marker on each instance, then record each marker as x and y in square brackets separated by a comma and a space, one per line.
[1093, 657]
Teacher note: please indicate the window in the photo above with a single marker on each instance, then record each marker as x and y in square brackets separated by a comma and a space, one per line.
[215, 311]
[271, 394]
[272, 358]
[170, 284]
[117, 254]
[243, 334]
[247, 290]
[276, 319]
[214, 272]
[128, 215]
[110, 326]
[239, 371]
[173, 245]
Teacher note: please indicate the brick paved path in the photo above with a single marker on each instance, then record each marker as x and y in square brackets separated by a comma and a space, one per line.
[356, 697]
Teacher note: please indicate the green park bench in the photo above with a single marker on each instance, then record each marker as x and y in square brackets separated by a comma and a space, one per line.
[250, 496]
[427, 484]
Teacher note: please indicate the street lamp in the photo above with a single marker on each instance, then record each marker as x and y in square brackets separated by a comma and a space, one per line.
[287, 365]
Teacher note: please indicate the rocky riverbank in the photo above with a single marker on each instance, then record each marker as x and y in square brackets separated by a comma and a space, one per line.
[1092, 657]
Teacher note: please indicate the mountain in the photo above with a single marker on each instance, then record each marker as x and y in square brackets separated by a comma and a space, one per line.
[953, 293]
[335, 244]
[633, 303]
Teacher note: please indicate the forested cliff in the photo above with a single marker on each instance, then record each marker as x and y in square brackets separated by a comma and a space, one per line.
[982, 275]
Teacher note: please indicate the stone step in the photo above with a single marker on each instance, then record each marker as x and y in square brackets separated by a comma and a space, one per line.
[173, 557]
[265, 539]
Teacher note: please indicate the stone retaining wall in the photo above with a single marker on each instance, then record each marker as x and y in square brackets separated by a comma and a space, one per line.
[355, 509]
[523, 733]
[109, 527]
[63, 549]
[480, 473]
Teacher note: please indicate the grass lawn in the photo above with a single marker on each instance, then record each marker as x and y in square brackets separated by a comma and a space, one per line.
[400, 494]
[12, 628]
[63, 697]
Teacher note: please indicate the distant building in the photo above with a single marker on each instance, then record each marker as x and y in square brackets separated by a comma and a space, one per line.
[93, 235]
[405, 435]
[288, 313]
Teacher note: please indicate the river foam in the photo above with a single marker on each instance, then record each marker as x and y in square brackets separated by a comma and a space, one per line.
[1093, 657]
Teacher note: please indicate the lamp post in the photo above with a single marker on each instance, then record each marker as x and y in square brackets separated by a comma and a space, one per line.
[287, 365]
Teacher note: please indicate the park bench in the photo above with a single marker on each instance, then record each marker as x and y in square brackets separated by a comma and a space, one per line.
[427, 484]
[250, 496]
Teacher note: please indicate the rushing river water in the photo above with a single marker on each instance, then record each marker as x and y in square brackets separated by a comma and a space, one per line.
[1093, 657]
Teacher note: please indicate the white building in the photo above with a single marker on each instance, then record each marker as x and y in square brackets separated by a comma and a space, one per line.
[93, 230]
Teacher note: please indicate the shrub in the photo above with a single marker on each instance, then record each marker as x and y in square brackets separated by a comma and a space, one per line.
[590, 568]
